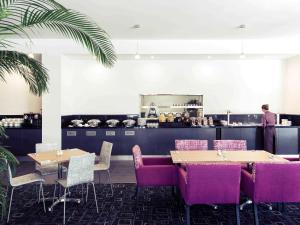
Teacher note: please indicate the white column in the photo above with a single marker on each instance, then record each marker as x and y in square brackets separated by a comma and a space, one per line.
[51, 101]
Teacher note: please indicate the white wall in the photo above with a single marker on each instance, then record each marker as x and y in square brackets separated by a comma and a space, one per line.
[239, 85]
[51, 127]
[291, 94]
[15, 97]
[82, 86]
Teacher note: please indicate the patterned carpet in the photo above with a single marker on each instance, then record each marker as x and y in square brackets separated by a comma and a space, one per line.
[157, 206]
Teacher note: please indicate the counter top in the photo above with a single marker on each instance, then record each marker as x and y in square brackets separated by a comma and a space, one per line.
[203, 127]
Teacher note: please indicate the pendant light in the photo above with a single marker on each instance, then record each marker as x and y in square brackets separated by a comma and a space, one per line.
[137, 55]
[242, 28]
[28, 46]
[136, 27]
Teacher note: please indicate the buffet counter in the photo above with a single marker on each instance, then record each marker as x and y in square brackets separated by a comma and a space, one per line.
[21, 141]
[159, 141]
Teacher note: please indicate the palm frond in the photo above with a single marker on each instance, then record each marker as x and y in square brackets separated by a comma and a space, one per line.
[76, 26]
[47, 14]
[33, 72]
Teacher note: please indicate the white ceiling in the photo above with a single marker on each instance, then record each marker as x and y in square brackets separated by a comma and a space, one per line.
[192, 19]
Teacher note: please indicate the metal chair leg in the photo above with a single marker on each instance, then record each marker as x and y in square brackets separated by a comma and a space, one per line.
[43, 197]
[65, 193]
[82, 193]
[137, 193]
[87, 192]
[255, 214]
[95, 196]
[248, 202]
[99, 177]
[54, 193]
[39, 196]
[11, 196]
[237, 213]
[111, 186]
[187, 215]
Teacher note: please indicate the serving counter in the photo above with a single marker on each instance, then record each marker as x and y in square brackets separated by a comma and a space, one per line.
[159, 141]
[153, 141]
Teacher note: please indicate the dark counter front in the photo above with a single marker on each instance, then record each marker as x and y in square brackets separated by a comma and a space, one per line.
[159, 141]
[156, 141]
[21, 141]
[152, 141]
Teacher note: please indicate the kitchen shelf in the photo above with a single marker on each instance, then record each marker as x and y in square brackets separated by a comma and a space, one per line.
[174, 107]
[172, 103]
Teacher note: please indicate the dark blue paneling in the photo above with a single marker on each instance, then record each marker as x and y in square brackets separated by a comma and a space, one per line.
[253, 135]
[287, 141]
[22, 141]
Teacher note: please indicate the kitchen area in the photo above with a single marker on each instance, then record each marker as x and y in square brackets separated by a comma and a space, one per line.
[174, 117]
[151, 102]
[163, 118]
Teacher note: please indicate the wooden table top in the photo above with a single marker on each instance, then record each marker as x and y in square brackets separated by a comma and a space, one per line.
[49, 157]
[227, 156]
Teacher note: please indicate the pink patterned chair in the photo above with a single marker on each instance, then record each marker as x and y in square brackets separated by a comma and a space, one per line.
[191, 144]
[233, 145]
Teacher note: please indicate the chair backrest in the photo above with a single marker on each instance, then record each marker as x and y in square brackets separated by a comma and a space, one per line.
[230, 145]
[9, 173]
[105, 153]
[276, 182]
[137, 156]
[81, 169]
[44, 147]
[191, 144]
[213, 183]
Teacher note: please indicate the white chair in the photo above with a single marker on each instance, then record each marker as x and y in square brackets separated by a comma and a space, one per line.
[23, 180]
[47, 169]
[104, 161]
[80, 172]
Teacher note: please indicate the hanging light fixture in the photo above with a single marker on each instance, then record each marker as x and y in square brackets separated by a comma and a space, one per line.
[242, 27]
[136, 27]
[137, 55]
[28, 46]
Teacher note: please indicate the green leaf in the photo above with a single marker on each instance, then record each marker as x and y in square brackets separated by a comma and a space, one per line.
[33, 72]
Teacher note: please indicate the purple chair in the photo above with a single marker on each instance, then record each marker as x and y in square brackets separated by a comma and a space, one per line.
[230, 145]
[191, 144]
[210, 184]
[153, 171]
[272, 183]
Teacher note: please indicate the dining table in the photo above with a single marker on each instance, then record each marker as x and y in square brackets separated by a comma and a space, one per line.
[213, 156]
[58, 157]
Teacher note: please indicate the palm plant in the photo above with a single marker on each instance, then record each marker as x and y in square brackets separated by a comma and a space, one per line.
[17, 18]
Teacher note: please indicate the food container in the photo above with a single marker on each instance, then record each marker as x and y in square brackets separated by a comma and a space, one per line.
[129, 123]
[112, 122]
[162, 118]
[152, 125]
[142, 122]
[170, 118]
[93, 123]
[77, 123]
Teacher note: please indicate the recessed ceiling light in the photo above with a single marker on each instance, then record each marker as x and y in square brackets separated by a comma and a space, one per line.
[152, 57]
[209, 57]
[137, 56]
[242, 56]
[31, 55]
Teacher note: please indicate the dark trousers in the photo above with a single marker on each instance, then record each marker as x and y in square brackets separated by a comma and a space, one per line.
[269, 139]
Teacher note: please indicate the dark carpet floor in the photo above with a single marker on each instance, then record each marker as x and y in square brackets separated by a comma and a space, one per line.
[156, 206]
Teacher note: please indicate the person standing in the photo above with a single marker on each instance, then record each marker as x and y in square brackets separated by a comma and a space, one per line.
[268, 122]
